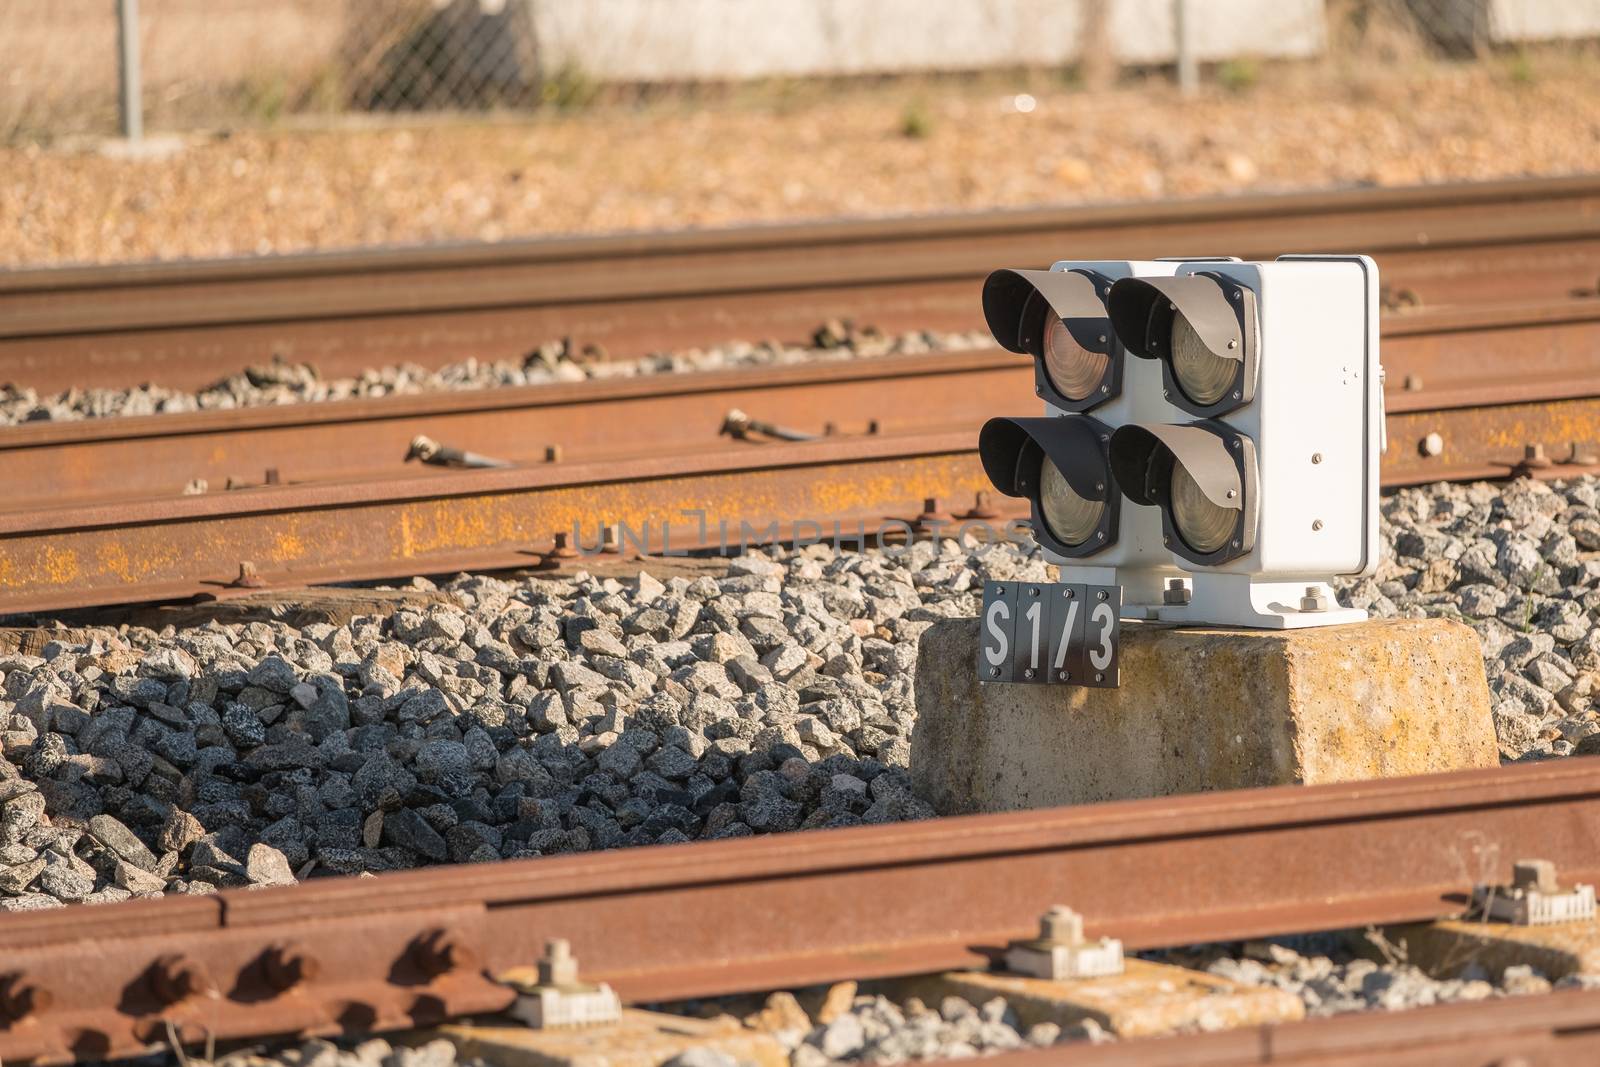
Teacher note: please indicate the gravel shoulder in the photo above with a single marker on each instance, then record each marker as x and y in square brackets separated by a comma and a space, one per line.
[785, 156]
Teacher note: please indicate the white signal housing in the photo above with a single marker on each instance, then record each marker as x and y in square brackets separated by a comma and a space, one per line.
[1316, 421]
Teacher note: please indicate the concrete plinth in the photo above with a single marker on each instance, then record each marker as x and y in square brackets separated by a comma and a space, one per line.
[1443, 948]
[1202, 709]
[638, 1039]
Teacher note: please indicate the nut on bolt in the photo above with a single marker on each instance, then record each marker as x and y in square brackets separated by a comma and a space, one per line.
[1316, 599]
[248, 577]
[1581, 455]
[982, 507]
[441, 951]
[1061, 951]
[933, 515]
[558, 966]
[20, 997]
[288, 964]
[562, 546]
[176, 977]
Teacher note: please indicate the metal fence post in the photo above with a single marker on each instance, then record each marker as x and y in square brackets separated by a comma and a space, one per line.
[128, 69]
[1183, 31]
[1097, 58]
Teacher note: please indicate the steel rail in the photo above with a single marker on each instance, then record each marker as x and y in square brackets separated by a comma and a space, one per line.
[130, 551]
[186, 324]
[682, 921]
[433, 522]
[1438, 361]
[110, 551]
[581, 421]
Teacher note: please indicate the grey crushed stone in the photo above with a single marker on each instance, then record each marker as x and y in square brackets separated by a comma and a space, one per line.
[878, 1030]
[316, 1052]
[1339, 983]
[283, 382]
[491, 725]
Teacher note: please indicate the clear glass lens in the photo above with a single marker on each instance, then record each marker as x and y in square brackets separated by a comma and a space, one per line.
[1204, 526]
[1072, 519]
[1072, 369]
[1202, 375]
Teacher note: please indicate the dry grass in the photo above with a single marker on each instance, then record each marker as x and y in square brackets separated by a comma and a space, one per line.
[798, 152]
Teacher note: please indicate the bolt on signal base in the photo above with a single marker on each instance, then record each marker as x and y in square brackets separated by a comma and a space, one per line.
[1244, 600]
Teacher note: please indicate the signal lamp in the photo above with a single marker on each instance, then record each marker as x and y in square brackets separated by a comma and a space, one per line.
[1059, 318]
[1061, 465]
[1202, 477]
[1202, 328]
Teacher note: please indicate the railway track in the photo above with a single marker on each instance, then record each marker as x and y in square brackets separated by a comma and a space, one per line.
[188, 324]
[95, 515]
[733, 916]
[96, 512]
[1491, 347]
[1438, 361]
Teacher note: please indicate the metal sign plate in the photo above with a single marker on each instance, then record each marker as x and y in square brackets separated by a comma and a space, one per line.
[1050, 633]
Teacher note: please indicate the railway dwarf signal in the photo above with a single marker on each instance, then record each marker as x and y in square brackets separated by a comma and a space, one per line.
[1234, 418]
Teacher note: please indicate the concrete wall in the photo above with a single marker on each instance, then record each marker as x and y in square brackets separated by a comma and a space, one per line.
[665, 40]
[1543, 20]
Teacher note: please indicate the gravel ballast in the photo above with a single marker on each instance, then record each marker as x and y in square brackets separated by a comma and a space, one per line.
[511, 719]
[527, 717]
[1341, 983]
[281, 382]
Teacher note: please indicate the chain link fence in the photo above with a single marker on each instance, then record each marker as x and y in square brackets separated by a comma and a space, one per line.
[226, 62]
[219, 63]
[1470, 27]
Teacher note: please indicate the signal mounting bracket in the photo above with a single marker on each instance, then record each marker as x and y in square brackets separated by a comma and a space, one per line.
[1245, 600]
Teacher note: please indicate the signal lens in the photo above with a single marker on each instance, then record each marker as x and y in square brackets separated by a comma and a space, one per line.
[1204, 526]
[1074, 370]
[1072, 519]
[1202, 375]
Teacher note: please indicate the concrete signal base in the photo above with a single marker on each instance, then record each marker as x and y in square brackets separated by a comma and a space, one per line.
[1202, 709]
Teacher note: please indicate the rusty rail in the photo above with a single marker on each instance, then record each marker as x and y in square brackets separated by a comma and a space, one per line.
[187, 324]
[95, 514]
[437, 521]
[683, 921]
[565, 423]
